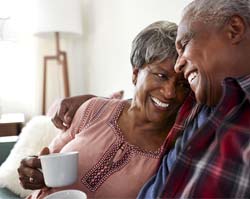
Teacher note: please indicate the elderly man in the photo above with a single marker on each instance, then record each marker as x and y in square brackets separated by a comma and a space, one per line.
[213, 43]
[211, 157]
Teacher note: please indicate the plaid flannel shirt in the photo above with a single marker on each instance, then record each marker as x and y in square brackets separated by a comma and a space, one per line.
[215, 163]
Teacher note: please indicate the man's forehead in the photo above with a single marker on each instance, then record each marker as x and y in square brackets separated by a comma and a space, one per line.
[184, 29]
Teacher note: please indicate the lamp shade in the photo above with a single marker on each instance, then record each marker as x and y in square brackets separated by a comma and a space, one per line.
[58, 16]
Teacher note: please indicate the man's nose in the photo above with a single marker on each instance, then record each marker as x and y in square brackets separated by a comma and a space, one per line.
[168, 90]
[180, 64]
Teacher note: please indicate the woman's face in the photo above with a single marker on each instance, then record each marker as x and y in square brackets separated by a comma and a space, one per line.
[159, 91]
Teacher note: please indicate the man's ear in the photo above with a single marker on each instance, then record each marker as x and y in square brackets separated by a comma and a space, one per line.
[236, 28]
[135, 75]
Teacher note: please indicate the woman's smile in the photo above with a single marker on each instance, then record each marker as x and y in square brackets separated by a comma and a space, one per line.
[159, 104]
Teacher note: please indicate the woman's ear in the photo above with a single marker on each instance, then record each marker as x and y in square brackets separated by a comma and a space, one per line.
[135, 75]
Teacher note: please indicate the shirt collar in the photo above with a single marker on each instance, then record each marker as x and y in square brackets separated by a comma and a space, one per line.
[243, 82]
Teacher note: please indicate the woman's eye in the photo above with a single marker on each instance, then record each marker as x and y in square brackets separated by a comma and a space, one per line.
[160, 76]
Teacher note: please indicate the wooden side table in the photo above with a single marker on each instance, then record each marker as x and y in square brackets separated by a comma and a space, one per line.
[11, 124]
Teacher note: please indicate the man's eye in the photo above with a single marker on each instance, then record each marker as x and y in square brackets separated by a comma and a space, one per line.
[183, 45]
[184, 85]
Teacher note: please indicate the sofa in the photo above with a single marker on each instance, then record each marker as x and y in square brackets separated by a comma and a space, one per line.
[6, 144]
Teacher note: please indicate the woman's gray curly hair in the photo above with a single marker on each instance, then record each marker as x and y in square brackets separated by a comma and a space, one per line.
[154, 43]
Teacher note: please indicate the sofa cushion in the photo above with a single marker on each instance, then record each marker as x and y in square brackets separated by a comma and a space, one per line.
[7, 194]
[6, 144]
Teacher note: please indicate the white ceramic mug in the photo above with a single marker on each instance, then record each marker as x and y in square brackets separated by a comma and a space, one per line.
[60, 169]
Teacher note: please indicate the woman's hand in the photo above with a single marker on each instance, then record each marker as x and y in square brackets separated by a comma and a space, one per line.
[67, 109]
[29, 174]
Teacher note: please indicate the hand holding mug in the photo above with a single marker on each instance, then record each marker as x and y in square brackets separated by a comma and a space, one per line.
[48, 170]
[29, 174]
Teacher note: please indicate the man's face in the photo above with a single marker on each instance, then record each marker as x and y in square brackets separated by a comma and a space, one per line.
[202, 54]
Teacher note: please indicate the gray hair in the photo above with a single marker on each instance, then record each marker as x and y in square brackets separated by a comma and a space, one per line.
[154, 43]
[217, 12]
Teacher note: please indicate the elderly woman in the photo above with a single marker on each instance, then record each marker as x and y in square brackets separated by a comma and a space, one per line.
[120, 142]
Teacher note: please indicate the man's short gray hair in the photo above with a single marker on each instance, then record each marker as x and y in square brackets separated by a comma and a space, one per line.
[154, 43]
[217, 11]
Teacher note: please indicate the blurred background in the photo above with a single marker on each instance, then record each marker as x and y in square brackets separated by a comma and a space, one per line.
[97, 44]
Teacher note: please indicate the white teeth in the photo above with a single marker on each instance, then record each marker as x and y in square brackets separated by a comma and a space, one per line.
[159, 103]
[192, 76]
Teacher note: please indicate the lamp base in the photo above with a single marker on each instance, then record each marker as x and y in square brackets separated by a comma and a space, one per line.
[61, 57]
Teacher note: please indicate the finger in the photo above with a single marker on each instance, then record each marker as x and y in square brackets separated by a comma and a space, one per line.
[26, 172]
[58, 122]
[32, 180]
[69, 117]
[44, 151]
[31, 162]
[62, 111]
[32, 186]
[35, 182]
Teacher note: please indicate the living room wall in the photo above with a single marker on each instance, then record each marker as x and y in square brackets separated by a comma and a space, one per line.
[98, 60]
[112, 25]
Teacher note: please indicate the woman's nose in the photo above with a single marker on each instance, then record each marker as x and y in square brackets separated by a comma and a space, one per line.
[180, 64]
[168, 90]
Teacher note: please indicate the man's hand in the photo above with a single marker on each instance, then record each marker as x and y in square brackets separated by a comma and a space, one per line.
[29, 174]
[67, 109]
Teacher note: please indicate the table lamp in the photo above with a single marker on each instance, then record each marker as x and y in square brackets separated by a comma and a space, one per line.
[57, 16]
